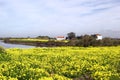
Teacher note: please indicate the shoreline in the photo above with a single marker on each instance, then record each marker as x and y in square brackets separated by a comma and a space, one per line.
[38, 43]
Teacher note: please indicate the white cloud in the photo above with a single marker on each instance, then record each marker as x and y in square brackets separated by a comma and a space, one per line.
[60, 15]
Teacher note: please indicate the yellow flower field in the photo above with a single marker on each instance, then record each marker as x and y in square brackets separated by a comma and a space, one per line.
[61, 63]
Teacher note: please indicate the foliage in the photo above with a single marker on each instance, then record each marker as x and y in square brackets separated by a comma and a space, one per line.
[90, 40]
[30, 40]
[61, 63]
[71, 40]
[43, 37]
[71, 35]
[2, 50]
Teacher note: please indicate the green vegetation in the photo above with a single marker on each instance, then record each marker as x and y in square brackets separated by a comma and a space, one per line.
[30, 40]
[70, 40]
[61, 63]
[2, 50]
[36, 40]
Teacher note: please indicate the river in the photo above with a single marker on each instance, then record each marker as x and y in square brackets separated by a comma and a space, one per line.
[8, 45]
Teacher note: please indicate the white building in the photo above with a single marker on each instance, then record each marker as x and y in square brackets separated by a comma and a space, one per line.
[99, 37]
[60, 38]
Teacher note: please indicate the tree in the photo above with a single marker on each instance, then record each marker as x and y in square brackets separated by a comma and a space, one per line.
[71, 35]
[86, 40]
[42, 37]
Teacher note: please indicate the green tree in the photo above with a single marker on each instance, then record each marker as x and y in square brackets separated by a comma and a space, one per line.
[71, 35]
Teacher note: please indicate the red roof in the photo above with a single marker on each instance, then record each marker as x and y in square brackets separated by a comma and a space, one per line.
[60, 36]
[98, 34]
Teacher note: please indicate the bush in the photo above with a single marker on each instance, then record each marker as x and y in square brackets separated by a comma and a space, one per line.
[2, 50]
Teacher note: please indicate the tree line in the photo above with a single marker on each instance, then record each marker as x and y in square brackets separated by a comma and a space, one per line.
[90, 40]
[73, 40]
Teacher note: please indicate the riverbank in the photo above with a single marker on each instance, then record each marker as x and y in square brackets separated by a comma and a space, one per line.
[37, 42]
[9, 45]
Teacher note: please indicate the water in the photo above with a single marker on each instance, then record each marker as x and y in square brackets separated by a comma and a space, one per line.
[8, 45]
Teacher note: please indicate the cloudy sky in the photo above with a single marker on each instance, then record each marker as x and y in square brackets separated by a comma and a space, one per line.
[57, 17]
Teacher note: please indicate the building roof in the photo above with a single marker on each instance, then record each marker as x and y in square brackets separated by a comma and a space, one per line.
[60, 37]
[98, 34]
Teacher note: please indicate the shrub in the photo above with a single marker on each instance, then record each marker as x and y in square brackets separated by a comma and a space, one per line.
[2, 50]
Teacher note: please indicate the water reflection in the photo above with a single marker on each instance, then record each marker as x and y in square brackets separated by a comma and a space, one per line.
[7, 45]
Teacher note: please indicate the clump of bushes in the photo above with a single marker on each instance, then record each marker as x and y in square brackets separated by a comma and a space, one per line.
[2, 50]
[4, 56]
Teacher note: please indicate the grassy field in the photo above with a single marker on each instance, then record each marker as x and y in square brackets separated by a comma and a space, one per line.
[37, 40]
[61, 63]
[31, 40]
